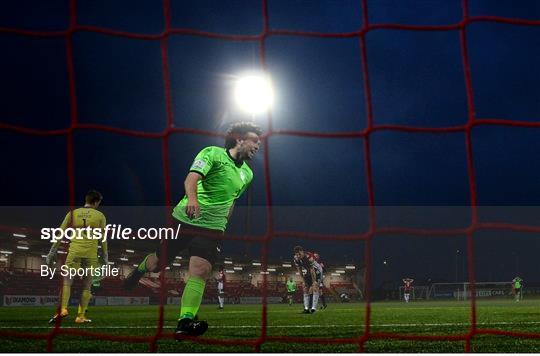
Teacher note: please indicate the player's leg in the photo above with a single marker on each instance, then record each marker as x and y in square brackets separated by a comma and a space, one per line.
[315, 295]
[72, 262]
[199, 270]
[203, 251]
[64, 301]
[321, 296]
[221, 298]
[306, 290]
[86, 295]
[151, 262]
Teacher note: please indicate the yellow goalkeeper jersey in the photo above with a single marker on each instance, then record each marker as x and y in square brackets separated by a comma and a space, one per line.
[82, 218]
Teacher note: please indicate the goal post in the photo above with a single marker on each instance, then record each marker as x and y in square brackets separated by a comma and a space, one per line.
[463, 291]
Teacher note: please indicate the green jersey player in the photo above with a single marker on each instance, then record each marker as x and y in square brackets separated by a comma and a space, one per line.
[291, 290]
[517, 288]
[217, 177]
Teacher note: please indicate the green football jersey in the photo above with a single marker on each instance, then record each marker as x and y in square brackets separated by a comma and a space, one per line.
[291, 286]
[224, 181]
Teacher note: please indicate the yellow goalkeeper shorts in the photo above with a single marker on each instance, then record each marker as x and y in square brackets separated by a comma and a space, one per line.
[76, 261]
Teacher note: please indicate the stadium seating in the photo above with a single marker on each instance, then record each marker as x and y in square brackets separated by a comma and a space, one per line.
[29, 282]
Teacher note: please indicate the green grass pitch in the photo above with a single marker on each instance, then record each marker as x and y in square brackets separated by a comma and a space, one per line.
[241, 322]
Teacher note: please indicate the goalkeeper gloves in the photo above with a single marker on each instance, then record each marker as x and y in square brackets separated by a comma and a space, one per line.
[105, 258]
[50, 260]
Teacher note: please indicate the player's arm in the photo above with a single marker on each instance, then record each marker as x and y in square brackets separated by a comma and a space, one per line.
[51, 256]
[193, 208]
[299, 269]
[104, 244]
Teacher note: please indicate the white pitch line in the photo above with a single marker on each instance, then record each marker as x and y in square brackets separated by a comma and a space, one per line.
[280, 326]
[362, 309]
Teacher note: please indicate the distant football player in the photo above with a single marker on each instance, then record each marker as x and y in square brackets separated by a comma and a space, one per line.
[407, 288]
[217, 177]
[291, 290]
[517, 286]
[306, 261]
[220, 288]
[321, 283]
[82, 253]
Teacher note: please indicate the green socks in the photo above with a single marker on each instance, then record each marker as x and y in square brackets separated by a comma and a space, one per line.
[192, 297]
[142, 265]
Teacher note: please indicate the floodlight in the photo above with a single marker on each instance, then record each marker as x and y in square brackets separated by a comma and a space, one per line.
[254, 94]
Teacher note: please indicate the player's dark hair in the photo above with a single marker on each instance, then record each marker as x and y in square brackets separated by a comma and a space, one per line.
[238, 130]
[93, 196]
[298, 249]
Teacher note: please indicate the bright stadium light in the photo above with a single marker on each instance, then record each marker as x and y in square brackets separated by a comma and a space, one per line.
[350, 267]
[19, 235]
[286, 265]
[238, 268]
[228, 262]
[256, 263]
[130, 251]
[23, 247]
[254, 93]
[6, 252]
[177, 264]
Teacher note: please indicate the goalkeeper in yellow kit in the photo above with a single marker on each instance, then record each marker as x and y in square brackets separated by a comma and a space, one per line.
[82, 252]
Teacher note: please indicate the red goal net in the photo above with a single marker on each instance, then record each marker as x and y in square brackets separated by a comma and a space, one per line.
[367, 236]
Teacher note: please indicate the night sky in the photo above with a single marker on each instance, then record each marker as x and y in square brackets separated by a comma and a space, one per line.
[318, 184]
